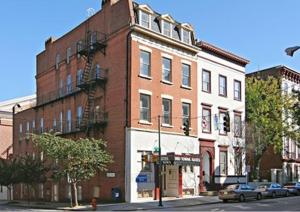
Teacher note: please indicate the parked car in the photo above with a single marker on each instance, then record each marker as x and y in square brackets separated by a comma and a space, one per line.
[294, 188]
[272, 190]
[239, 192]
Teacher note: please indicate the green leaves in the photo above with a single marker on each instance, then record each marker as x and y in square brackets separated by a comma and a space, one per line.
[80, 159]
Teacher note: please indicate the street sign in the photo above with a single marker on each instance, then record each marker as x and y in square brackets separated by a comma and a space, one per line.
[141, 178]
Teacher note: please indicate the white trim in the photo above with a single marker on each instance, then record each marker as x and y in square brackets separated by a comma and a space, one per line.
[145, 122]
[186, 62]
[145, 48]
[166, 96]
[167, 56]
[145, 92]
[186, 101]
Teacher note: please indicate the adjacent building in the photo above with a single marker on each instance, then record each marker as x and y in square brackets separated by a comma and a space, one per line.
[221, 91]
[285, 166]
[6, 128]
[124, 75]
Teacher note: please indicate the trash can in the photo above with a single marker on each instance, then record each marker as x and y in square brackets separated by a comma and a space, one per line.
[116, 194]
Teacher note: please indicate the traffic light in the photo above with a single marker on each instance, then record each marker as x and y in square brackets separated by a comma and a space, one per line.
[145, 158]
[226, 122]
[186, 127]
[154, 158]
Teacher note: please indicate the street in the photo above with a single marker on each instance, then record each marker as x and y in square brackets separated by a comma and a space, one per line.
[278, 204]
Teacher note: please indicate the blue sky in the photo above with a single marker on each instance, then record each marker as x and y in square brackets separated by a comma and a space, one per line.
[258, 30]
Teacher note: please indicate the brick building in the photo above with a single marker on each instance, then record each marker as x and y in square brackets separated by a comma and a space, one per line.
[6, 128]
[283, 167]
[111, 77]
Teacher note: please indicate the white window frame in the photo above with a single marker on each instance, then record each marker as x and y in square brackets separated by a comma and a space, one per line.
[141, 12]
[163, 28]
[148, 109]
[166, 70]
[167, 113]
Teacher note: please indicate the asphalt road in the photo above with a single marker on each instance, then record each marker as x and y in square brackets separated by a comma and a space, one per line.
[278, 204]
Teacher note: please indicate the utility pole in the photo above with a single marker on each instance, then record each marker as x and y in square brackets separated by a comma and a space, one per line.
[160, 165]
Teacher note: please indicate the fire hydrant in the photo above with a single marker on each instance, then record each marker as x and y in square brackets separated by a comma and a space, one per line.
[94, 204]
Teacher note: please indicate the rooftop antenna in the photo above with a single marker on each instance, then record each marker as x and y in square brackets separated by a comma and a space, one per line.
[90, 12]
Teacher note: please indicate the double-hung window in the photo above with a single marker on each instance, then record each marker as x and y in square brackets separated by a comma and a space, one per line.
[237, 90]
[69, 83]
[206, 81]
[167, 69]
[167, 28]
[79, 77]
[145, 63]
[186, 75]
[206, 120]
[79, 115]
[57, 61]
[186, 113]
[69, 54]
[145, 19]
[238, 125]
[145, 107]
[223, 162]
[167, 111]
[69, 121]
[186, 38]
[222, 85]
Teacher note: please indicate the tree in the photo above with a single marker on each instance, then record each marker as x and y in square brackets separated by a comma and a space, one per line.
[267, 120]
[8, 173]
[79, 160]
[31, 172]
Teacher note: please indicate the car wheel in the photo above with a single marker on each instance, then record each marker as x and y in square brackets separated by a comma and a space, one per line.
[242, 198]
[259, 196]
[273, 195]
[287, 194]
[225, 200]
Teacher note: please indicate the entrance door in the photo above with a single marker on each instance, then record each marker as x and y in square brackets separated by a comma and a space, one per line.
[172, 181]
[206, 168]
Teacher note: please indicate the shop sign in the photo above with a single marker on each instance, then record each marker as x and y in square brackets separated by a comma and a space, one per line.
[141, 178]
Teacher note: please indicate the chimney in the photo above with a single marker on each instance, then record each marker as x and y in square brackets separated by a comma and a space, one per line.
[49, 41]
[112, 2]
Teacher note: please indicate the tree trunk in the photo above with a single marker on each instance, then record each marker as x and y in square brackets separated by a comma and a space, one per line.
[75, 194]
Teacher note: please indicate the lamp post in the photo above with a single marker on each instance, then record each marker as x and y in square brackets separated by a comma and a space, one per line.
[291, 50]
[13, 126]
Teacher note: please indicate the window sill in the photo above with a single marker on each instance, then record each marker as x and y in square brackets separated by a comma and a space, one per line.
[166, 82]
[167, 125]
[186, 87]
[225, 96]
[209, 92]
[145, 77]
[145, 122]
[206, 132]
[182, 127]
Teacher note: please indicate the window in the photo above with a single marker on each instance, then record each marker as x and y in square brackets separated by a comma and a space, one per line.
[145, 63]
[237, 90]
[167, 72]
[60, 121]
[206, 120]
[145, 107]
[167, 28]
[186, 75]
[186, 38]
[186, 112]
[33, 125]
[69, 83]
[42, 125]
[145, 19]
[223, 162]
[20, 132]
[97, 71]
[68, 54]
[69, 121]
[79, 115]
[222, 114]
[54, 124]
[79, 76]
[222, 85]
[145, 165]
[61, 88]
[238, 125]
[206, 81]
[167, 111]
[285, 88]
[27, 130]
[80, 47]
[57, 61]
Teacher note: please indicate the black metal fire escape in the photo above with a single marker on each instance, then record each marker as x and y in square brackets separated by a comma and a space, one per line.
[91, 79]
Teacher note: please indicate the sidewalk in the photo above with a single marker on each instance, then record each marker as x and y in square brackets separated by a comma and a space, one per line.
[147, 205]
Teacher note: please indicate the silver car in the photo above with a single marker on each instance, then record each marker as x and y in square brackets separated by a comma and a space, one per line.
[272, 190]
[239, 192]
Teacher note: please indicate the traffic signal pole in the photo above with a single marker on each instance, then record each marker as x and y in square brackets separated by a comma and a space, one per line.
[160, 165]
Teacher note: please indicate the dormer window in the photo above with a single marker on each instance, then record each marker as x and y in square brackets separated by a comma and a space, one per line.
[145, 19]
[167, 28]
[186, 36]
